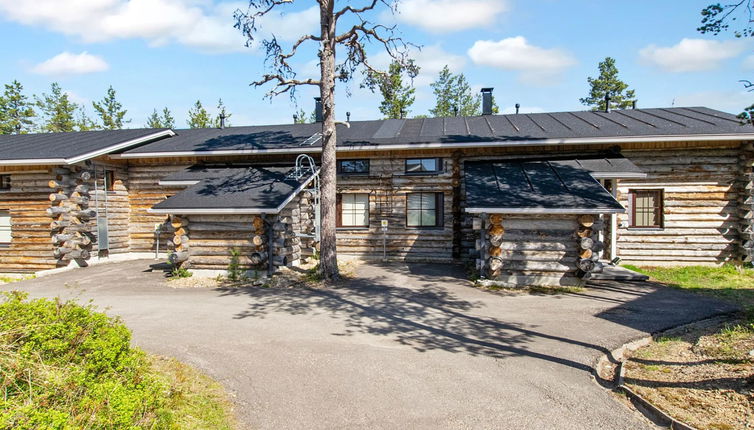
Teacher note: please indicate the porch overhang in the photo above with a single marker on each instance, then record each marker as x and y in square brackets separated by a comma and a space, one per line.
[535, 187]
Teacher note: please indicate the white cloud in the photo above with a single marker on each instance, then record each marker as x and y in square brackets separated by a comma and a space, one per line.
[441, 16]
[200, 24]
[65, 64]
[691, 55]
[537, 65]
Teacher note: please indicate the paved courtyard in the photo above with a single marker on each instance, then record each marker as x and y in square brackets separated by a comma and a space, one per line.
[398, 347]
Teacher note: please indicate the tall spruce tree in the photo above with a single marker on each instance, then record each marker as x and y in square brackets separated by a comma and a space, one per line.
[397, 97]
[58, 111]
[16, 111]
[198, 117]
[222, 112]
[608, 83]
[453, 96]
[166, 120]
[110, 111]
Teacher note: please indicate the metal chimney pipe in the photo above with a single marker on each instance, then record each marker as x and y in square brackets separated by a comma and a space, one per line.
[633, 104]
[607, 103]
[348, 116]
[222, 120]
[487, 101]
[318, 117]
[518, 106]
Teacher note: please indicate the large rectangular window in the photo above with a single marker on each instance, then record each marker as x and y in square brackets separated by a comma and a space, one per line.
[424, 209]
[423, 165]
[353, 210]
[353, 167]
[5, 235]
[646, 208]
[4, 182]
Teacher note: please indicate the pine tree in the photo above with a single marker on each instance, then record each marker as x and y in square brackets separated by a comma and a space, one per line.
[154, 120]
[299, 117]
[222, 111]
[84, 122]
[16, 112]
[165, 121]
[453, 96]
[198, 117]
[608, 83]
[57, 111]
[397, 97]
[110, 111]
[167, 118]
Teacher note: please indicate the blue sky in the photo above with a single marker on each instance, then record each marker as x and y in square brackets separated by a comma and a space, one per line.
[537, 53]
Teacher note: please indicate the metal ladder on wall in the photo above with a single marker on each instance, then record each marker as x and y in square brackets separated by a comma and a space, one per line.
[103, 233]
[305, 166]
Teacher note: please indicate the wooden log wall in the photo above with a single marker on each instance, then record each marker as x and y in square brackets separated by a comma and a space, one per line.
[701, 209]
[534, 250]
[145, 192]
[27, 202]
[387, 186]
[73, 214]
[207, 240]
[306, 227]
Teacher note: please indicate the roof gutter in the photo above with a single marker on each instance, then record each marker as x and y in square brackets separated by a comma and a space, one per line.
[545, 211]
[88, 155]
[455, 145]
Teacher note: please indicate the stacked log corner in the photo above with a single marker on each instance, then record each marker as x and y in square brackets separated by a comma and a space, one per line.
[180, 243]
[73, 222]
[590, 247]
[746, 202]
[306, 227]
[286, 243]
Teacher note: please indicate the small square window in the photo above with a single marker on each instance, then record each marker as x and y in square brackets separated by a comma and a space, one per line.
[646, 208]
[353, 167]
[423, 165]
[424, 209]
[353, 210]
[5, 182]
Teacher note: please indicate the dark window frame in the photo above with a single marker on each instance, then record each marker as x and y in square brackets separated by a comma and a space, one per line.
[438, 165]
[439, 211]
[5, 182]
[7, 244]
[659, 208]
[109, 179]
[340, 167]
[339, 213]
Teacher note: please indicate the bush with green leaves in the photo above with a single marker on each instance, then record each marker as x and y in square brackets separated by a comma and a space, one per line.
[65, 366]
[235, 273]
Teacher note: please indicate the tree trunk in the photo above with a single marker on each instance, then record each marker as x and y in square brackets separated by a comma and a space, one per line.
[328, 264]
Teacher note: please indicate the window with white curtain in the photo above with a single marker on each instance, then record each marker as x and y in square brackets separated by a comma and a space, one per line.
[353, 210]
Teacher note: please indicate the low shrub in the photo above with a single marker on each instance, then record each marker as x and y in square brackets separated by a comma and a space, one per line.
[66, 366]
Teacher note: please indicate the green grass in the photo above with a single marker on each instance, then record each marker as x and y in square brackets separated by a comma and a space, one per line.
[9, 279]
[728, 282]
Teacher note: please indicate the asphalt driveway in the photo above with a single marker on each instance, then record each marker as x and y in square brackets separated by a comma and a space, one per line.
[399, 347]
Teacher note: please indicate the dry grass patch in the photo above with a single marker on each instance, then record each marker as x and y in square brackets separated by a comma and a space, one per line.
[704, 377]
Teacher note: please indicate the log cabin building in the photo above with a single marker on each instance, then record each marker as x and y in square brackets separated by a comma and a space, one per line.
[529, 199]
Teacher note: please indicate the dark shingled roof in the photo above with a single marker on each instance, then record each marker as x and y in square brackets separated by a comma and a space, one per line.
[46, 146]
[245, 188]
[490, 128]
[535, 186]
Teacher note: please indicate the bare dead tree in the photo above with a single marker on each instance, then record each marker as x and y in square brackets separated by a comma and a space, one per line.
[282, 76]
